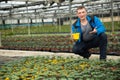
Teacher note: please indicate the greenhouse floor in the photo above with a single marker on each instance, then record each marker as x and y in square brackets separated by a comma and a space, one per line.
[8, 55]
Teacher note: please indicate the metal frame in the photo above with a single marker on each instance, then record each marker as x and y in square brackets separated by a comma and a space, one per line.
[40, 8]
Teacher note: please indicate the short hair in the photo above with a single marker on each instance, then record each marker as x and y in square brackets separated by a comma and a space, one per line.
[81, 7]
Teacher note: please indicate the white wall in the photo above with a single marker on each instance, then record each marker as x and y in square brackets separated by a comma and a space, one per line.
[25, 20]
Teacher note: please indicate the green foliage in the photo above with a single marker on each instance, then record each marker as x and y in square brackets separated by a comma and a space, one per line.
[37, 29]
[60, 68]
[52, 42]
[48, 28]
[108, 26]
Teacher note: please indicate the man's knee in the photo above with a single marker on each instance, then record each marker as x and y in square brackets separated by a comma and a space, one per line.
[103, 36]
[103, 40]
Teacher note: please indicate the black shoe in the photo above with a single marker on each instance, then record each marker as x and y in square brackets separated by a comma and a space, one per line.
[87, 56]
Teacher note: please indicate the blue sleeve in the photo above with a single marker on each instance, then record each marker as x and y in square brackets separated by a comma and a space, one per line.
[99, 26]
[72, 29]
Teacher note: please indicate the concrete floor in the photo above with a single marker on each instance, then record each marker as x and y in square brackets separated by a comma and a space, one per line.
[8, 55]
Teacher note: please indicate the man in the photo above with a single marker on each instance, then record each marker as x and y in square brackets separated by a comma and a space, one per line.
[92, 34]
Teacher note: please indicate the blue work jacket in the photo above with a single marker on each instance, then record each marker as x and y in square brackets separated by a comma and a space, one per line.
[96, 23]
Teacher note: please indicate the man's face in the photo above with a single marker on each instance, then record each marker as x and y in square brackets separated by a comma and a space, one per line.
[81, 13]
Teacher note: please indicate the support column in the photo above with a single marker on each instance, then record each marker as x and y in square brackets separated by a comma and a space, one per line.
[112, 16]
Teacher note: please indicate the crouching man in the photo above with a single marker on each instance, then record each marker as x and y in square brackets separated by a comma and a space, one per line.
[91, 32]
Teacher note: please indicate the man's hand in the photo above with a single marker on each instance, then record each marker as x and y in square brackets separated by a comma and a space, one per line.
[73, 38]
[94, 31]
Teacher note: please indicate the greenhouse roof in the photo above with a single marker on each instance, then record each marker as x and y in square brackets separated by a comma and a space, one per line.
[32, 8]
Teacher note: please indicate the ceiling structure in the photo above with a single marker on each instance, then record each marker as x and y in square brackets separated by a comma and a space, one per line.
[17, 9]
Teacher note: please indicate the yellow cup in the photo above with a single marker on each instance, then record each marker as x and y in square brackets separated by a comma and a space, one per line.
[76, 36]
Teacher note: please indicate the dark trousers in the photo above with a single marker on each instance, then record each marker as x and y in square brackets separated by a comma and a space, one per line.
[82, 47]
